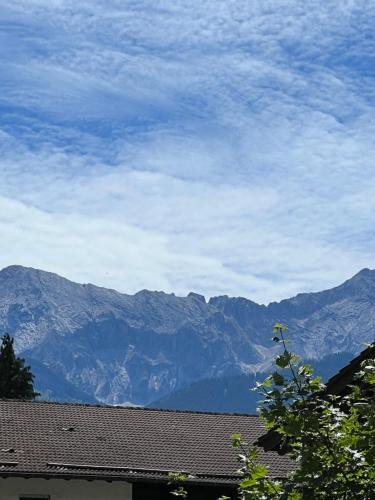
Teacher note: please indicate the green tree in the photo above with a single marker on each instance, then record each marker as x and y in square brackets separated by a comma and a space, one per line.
[331, 438]
[16, 379]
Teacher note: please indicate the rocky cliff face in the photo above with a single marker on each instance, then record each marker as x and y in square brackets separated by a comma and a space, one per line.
[122, 348]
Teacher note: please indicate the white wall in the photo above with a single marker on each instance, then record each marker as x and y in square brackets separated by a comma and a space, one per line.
[60, 489]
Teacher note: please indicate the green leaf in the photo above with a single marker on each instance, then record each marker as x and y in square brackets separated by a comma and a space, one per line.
[278, 378]
[267, 382]
[236, 440]
[279, 328]
[305, 370]
[259, 471]
[283, 360]
[247, 483]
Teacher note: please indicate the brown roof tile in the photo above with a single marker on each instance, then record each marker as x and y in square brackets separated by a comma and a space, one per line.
[70, 440]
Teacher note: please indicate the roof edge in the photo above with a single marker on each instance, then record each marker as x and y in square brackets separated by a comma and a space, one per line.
[130, 478]
[119, 407]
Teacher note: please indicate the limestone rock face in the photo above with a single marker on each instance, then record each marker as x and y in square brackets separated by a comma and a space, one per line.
[133, 349]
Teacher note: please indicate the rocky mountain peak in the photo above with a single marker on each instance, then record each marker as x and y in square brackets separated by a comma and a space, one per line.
[365, 277]
[135, 348]
[197, 296]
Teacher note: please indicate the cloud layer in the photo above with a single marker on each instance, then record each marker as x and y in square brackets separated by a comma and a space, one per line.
[220, 147]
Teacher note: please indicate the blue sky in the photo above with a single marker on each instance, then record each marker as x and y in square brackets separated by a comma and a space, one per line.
[225, 147]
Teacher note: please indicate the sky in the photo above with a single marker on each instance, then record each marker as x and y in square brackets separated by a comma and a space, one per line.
[215, 146]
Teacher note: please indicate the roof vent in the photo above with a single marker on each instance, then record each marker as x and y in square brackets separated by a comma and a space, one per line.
[68, 429]
[9, 450]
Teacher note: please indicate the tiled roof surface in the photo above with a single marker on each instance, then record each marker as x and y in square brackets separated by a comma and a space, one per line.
[60, 439]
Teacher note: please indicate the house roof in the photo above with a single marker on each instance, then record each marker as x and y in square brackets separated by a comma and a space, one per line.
[339, 382]
[45, 439]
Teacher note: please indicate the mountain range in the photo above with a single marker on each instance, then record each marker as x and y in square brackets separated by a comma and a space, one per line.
[87, 343]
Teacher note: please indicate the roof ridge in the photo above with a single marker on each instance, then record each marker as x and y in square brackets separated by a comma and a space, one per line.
[362, 356]
[119, 407]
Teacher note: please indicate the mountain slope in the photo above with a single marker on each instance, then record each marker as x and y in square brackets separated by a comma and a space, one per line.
[116, 347]
[233, 394]
[53, 386]
[135, 349]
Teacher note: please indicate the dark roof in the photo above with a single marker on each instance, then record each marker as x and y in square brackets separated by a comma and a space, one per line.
[337, 385]
[339, 382]
[74, 440]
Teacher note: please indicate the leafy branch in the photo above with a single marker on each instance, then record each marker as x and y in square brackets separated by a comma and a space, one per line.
[331, 438]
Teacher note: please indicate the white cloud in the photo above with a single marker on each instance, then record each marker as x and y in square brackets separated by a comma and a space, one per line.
[222, 147]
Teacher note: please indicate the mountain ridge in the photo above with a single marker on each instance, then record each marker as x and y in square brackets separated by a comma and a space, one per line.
[119, 348]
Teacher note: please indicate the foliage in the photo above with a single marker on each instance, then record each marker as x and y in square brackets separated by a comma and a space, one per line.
[255, 482]
[331, 438]
[16, 379]
[177, 479]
